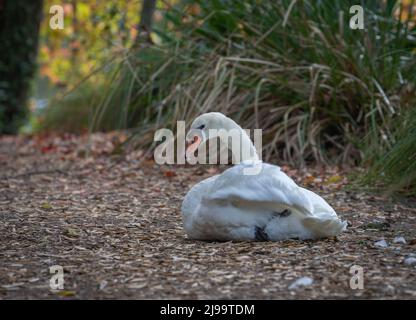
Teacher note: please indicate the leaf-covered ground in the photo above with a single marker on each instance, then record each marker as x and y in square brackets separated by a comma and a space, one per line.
[113, 222]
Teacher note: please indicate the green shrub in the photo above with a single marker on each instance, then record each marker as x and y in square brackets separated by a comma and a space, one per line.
[320, 91]
[314, 86]
[394, 169]
[70, 113]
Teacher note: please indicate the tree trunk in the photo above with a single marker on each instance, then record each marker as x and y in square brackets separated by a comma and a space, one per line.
[19, 33]
[146, 19]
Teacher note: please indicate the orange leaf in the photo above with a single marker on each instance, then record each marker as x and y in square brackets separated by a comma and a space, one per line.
[309, 180]
[169, 174]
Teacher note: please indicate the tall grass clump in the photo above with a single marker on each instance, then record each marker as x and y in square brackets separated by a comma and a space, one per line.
[320, 91]
[394, 169]
[71, 112]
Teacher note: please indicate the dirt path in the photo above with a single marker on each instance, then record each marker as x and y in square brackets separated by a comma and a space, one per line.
[115, 226]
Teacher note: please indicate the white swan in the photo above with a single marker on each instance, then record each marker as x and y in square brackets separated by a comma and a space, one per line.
[240, 207]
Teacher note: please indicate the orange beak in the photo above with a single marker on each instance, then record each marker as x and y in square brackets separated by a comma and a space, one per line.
[193, 146]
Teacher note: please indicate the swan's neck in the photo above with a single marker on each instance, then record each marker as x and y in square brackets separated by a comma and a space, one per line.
[247, 150]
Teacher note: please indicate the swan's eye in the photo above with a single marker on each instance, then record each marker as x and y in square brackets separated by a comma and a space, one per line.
[201, 127]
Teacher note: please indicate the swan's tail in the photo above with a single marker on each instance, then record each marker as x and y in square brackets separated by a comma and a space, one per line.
[324, 227]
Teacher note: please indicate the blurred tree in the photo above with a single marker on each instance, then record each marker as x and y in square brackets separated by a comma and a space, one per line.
[146, 18]
[19, 32]
[95, 32]
[147, 13]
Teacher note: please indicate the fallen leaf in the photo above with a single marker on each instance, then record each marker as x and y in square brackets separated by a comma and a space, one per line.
[309, 180]
[72, 232]
[334, 179]
[66, 293]
[46, 206]
[169, 174]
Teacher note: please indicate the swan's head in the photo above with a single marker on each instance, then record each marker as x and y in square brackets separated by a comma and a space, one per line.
[216, 125]
[198, 132]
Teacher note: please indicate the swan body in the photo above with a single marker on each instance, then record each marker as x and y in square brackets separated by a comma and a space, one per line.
[254, 207]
